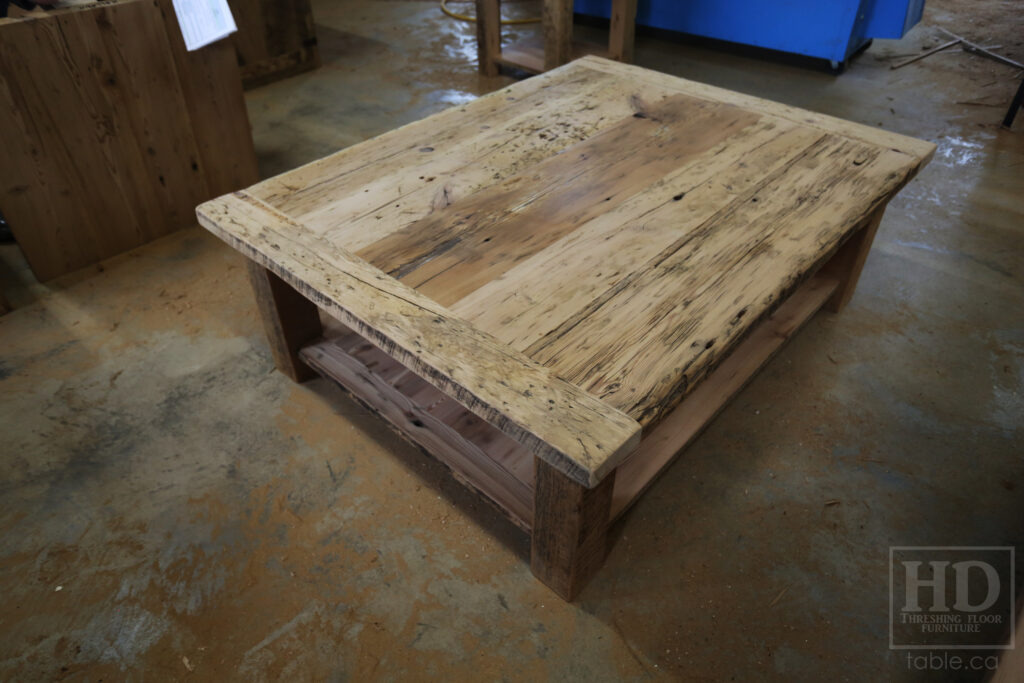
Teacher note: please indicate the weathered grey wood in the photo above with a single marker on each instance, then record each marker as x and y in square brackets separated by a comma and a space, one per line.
[290, 321]
[573, 431]
[570, 530]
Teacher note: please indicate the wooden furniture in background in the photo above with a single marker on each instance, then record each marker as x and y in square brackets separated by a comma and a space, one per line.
[556, 287]
[275, 39]
[111, 131]
[558, 47]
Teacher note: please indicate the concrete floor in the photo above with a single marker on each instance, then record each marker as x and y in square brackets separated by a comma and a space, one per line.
[171, 507]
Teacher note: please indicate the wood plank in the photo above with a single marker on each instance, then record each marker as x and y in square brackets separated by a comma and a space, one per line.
[622, 30]
[359, 194]
[921, 150]
[477, 440]
[216, 105]
[570, 530]
[659, 448]
[376, 361]
[275, 39]
[359, 200]
[290, 321]
[96, 129]
[110, 132]
[440, 174]
[623, 280]
[488, 36]
[457, 250]
[493, 443]
[426, 429]
[556, 20]
[532, 298]
[736, 269]
[410, 189]
[556, 421]
[307, 187]
[848, 263]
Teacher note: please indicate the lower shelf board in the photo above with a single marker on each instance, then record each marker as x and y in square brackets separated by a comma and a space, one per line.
[478, 454]
[488, 461]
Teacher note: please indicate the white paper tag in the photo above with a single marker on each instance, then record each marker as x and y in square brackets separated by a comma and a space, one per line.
[204, 21]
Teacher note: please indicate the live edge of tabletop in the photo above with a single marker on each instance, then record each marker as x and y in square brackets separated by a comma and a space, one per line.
[554, 288]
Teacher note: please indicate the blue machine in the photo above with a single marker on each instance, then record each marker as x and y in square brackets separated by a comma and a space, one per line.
[827, 30]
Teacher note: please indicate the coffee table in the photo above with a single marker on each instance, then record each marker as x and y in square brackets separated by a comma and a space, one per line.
[554, 288]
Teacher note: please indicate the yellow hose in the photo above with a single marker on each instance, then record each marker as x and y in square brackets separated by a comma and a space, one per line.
[466, 17]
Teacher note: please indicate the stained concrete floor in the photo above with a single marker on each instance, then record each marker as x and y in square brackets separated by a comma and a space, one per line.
[173, 508]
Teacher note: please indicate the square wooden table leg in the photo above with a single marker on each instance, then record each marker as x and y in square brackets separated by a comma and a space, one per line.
[488, 35]
[622, 30]
[290, 320]
[570, 529]
[557, 21]
[848, 262]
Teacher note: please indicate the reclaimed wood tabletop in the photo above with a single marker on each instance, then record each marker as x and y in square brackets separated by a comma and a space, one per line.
[570, 256]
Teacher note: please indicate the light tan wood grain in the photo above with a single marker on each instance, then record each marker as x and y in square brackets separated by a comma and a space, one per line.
[603, 233]
[95, 128]
[216, 106]
[683, 424]
[457, 250]
[921, 150]
[110, 133]
[361, 202]
[646, 342]
[573, 431]
[531, 299]
[318, 184]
